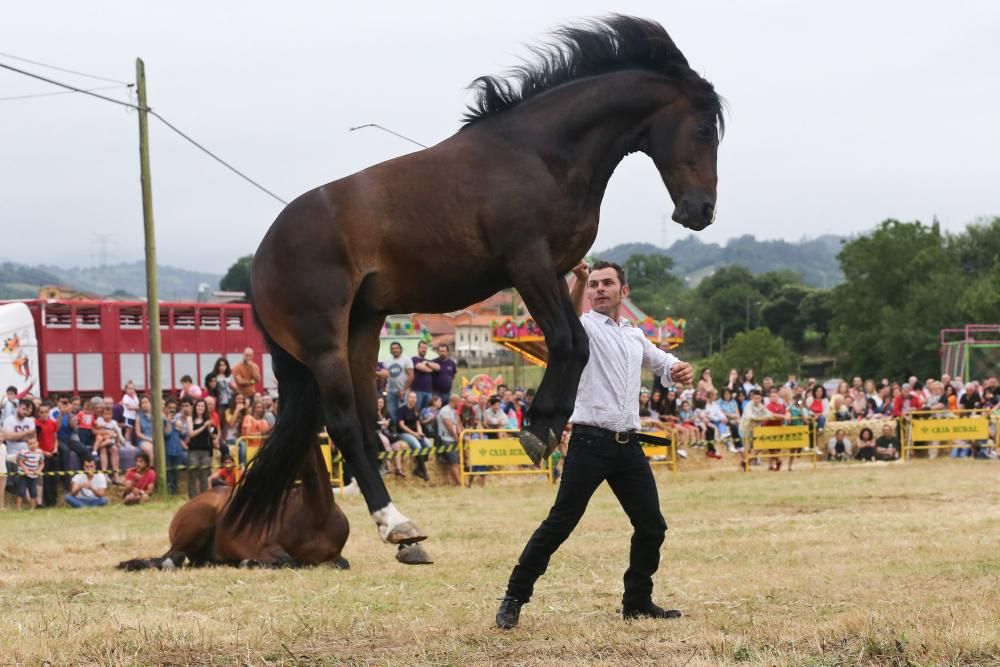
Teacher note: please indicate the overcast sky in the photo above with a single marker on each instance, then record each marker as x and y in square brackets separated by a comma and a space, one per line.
[841, 113]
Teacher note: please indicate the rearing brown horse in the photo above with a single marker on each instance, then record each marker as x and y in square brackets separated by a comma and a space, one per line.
[513, 199]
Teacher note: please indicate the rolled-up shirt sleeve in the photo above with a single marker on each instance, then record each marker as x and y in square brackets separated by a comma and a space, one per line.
[658, 361]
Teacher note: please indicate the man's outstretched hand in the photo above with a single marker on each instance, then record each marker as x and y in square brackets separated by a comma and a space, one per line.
[681, 373]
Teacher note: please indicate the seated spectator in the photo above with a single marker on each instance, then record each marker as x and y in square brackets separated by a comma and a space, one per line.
[906, 401]
[410, 431]
[819, 406]
[144, 427]
[392, 445]
[866, 445]
[429, 418]
[887, 445]
[839, 447]
[224, 476]
[494, 417]
[448, 429]
[30, 466]
[843, 408]
[189, 389]
[140, 481]
[88, 488]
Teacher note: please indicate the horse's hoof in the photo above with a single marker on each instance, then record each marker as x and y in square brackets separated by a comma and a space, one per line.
[552, 444]
[533, 447]
[413, 554]
[341, 564]
[405, 532]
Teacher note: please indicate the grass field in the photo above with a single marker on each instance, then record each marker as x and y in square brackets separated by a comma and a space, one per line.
[848, 565]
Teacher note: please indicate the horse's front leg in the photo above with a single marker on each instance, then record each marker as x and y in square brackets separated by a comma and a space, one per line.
[547, 298]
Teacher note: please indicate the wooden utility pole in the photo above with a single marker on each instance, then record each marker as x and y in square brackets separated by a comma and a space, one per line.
[152, 298]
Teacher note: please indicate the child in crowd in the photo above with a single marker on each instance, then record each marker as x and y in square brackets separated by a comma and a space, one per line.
[30, 466]
[224, 476]
[140, 481]
[107, 439]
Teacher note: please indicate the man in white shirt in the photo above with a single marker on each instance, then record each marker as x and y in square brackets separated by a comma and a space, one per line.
[605, 446]
[89, 488]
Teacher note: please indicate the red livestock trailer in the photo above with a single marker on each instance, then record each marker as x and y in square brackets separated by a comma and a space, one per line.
[95, 347]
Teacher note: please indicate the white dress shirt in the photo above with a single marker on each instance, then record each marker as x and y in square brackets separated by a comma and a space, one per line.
[608, 395]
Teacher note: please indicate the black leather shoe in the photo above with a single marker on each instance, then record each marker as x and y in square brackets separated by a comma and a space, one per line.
[508, 613]
[649, 611]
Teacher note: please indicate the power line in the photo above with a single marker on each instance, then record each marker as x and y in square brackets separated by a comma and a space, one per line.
[61, 92]
[163, 120]
[63, 69]
[385, 129]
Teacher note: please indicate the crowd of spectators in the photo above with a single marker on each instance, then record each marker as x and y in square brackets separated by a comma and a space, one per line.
[705, 413]
[417, 409]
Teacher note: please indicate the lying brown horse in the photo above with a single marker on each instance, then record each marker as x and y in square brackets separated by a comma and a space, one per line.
[513, 199]
[310, 530]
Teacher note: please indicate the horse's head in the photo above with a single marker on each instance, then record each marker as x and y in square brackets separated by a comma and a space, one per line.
[683, 143]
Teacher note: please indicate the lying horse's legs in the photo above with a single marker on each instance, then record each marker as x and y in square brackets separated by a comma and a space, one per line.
[272, 556]
[169, 561]
[547, 298]
[333, 375]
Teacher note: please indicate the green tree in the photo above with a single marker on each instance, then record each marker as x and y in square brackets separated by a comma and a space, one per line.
[652, 284]
[902, 286]
[758, 349]
[237, 278]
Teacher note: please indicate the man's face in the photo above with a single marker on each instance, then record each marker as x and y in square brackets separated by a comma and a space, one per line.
[422, 350]
[773, 396]
[443, 351]
[453, 401]
[840, 435]
[22, 409]
[396, 349]
[186, 409]
[605, 291]
[89, 467]
[857, 382]
[141, 465]
[267, 401]
[248, 355]
[411, 400]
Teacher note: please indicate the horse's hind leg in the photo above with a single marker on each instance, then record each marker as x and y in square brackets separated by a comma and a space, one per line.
[363, 348]
[332, 370]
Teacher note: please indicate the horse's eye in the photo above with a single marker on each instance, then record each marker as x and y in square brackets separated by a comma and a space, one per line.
[704, 132]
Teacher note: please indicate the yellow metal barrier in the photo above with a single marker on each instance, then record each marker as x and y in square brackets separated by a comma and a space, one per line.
[943, 429]
[252, 444]
[494, 452]
[775, 442]
[662, 455]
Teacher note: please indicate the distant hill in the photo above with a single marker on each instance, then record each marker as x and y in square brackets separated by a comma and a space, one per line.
[21, 282]
[814, 259]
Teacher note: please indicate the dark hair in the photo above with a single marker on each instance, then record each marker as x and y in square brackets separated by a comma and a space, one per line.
[821, 388]
[444, 345]
[11, 389]
[144, 456]
[861, 434]
[604, 264]
[494, 400]
[395, 343]
[222, 360]
[599, 46]
[186, 378]
[186, 400]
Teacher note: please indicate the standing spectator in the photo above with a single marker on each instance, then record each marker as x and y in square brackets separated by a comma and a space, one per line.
[144, 426]
[175, 435]
[819, 406]
[429, 419]
[200, 438]
[30, 466]
[269, 414]
[232, 424]
[866, 445]
[254, 427]
[107, 439]
[444, 377]
[88, 488]
[130, 409]
[748, 381]
[410, 431]
[839, 447]
[246, 374]
[734, 381]
[381, 378]
[705, 381]
[46, 428]
[217, 441]
[224, 387]
[448, 435]
[423, 375]
[140, 481]
[400, 378]
[728, 407]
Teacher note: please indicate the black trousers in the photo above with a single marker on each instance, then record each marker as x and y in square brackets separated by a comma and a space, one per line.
[589, 462]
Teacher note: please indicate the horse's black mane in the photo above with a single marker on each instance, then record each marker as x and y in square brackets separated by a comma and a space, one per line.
[594, 47]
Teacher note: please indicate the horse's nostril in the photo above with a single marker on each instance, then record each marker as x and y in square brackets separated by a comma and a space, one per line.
[707, 210]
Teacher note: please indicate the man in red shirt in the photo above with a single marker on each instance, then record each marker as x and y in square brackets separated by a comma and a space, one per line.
[139, 481]
[46, 428]
[776, 407]
[907, 401]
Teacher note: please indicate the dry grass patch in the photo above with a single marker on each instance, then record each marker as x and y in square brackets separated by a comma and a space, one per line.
[878, 564]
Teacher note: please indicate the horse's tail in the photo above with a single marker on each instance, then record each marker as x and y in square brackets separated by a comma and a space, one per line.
[285, 451]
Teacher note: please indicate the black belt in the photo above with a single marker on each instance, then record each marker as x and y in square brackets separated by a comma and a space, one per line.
[630, 437]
